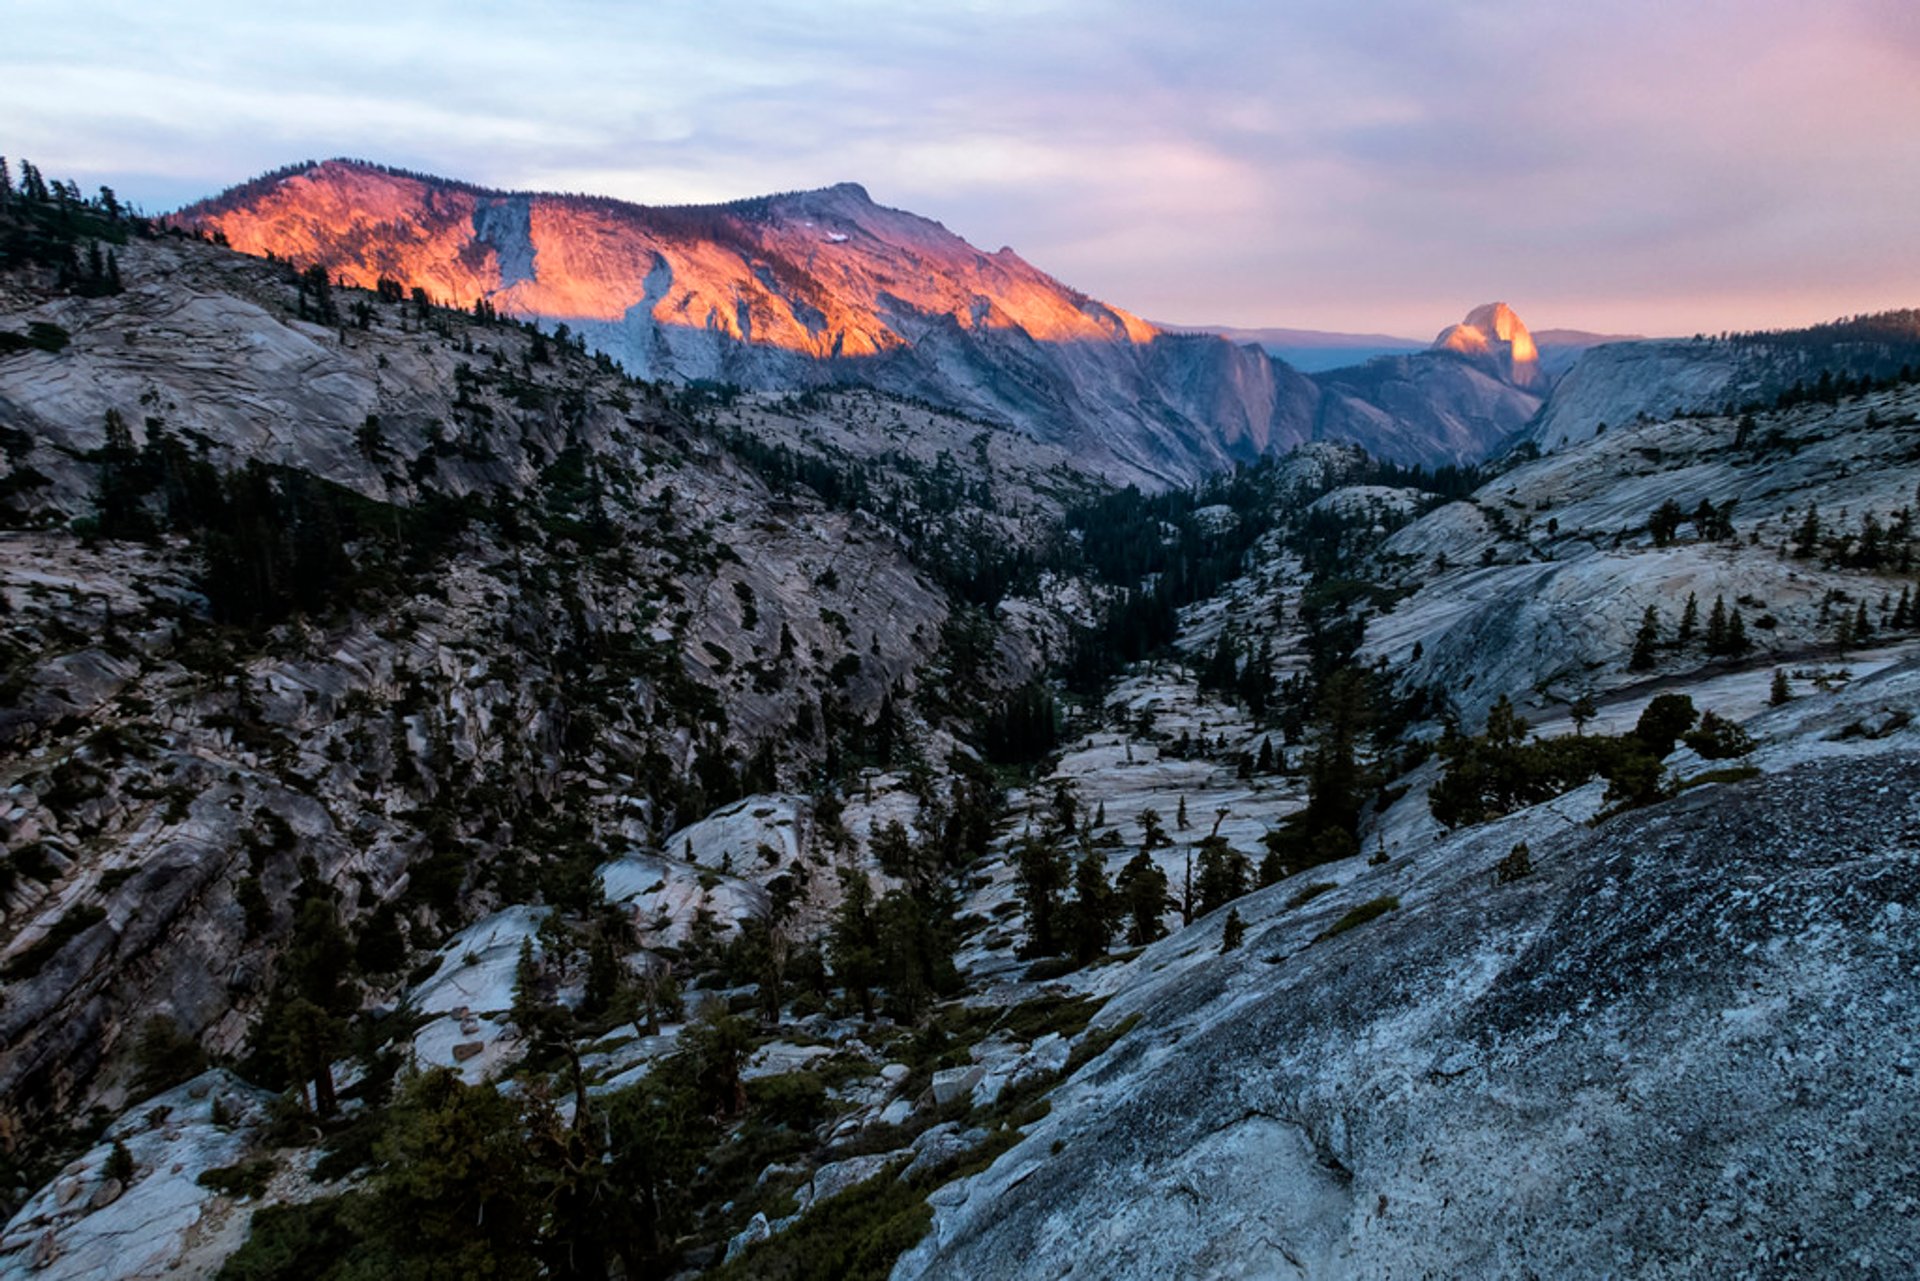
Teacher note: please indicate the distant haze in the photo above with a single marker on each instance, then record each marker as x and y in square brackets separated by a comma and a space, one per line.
[1617, 166]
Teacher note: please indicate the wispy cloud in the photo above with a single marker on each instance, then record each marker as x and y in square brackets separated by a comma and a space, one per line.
[1622, 164]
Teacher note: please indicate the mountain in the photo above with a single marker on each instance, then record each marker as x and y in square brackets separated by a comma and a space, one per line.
[808, 288]
[1493, 336]
[823, 287]
[472, 809]
[1309, 350]
[1546, 339]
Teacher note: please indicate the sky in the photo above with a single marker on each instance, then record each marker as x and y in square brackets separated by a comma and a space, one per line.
[1626, 166]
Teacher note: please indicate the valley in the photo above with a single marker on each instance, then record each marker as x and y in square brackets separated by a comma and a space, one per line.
[480, 802]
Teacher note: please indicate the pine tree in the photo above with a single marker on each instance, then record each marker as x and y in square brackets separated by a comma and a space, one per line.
[1336, 782]
[1224, 872]
[1093, 908]
[1689, 621]
[853, 943]
[1737, 642]
[1717, 627]
[1646, 641]
[1233, 931]
[1152, 835]
[1143, 895]
[1582, 711]
[1806, 539]
[916, 952]
[603, 977]
[528, 1010]
[1665, 522]
[1041, 872]
[1780, 692]
[1222, 668]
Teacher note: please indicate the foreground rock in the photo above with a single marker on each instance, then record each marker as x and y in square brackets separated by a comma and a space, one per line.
[154, 1218]
[1684, 1046]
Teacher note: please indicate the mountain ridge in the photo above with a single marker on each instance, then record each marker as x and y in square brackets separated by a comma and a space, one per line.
[823, 287]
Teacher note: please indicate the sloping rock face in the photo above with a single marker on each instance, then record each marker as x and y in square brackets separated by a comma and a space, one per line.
[1684, 1045]
[1537, 582]
[1431, 408]
[158, 1220]
[819, 287]
[1618, 384]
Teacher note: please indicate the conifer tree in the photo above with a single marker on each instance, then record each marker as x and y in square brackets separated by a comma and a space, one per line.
[1152, 835]
[1233, 931]
[1223, 873]
[1806, 539]
[1717, 627]
[1041, 872]
[1093, 908]
[1646, 641]
[1336, 782]
[1143, 893]
[853, 944]
[1583, 711]
[1689, 621]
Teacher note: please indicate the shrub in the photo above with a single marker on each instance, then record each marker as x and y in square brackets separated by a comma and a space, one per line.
[1310, 893]
[1362, 914]
[247, 1179]
[1717, 738]
[1665, 719]
[1234, 932]
[797, 1100]
[289, 1242]
[1518, 863]
[165, 1056]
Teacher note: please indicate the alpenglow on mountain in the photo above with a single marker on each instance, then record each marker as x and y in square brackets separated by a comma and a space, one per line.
[826, 287]
[473, 812]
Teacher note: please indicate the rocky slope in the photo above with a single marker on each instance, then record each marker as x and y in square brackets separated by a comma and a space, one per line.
[1621, 383]
[826, 286]
[1683, 1044]
[584, 603]
[736, 819]
[1536, 585]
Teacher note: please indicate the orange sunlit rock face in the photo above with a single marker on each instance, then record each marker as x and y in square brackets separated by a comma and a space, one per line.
[820, 272]
[1493, 332]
